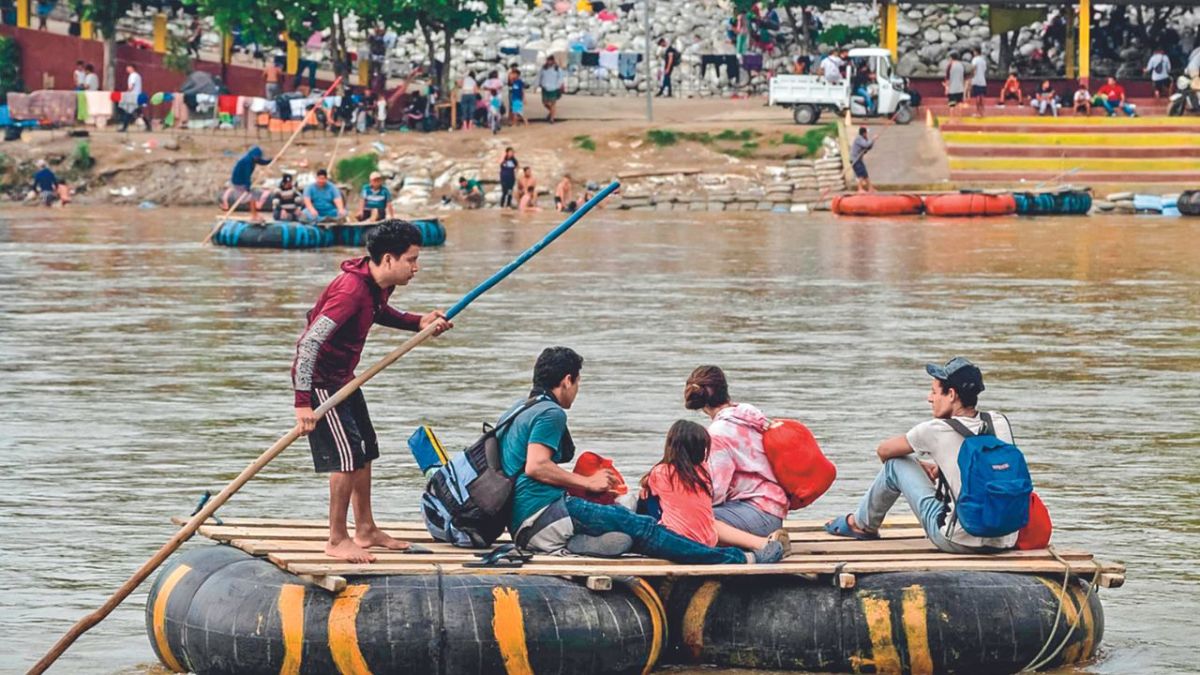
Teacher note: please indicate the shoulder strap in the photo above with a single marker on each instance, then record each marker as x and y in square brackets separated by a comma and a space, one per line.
[959, 427]
[504, 424]
[989, 428]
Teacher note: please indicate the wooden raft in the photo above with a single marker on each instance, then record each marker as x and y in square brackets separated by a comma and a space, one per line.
[297, 547]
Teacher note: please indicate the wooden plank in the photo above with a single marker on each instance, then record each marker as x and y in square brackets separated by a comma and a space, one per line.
[331, 583]
[907, 521]
[683, 171]
[1083, 568]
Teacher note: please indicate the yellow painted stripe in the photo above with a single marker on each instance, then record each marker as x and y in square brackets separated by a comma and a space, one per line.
[508, 625]
[916, 631]
[160, 617]
[1072, 140]
[291, 624]
[878, 613]
[658, 621]
[695, 615]
[1065, 163]
[343, 631]
[1073, 121]
[1070, 654]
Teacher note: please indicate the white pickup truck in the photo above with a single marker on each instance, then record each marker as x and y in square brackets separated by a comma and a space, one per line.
[808, 95]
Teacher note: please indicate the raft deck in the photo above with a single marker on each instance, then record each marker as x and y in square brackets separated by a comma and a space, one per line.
[297, 547]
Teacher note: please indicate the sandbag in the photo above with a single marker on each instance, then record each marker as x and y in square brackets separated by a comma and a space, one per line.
[802, 470]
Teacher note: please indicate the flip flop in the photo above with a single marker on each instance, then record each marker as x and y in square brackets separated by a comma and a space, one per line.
[416, 549]
[840, 527]
[506, 556]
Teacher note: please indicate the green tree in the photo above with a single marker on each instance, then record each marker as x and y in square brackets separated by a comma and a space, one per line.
[801, 29]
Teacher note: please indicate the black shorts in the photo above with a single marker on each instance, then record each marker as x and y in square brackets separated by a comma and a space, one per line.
[1162, 86]
[344, 439]
[375, 214]
[978, 90]
[860, 169]
[953, 99]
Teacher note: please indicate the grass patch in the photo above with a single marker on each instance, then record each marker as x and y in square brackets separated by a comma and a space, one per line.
[662, 137]
[743, 135]
[812, 139]
[356, 170]
[665, 137]
[83, 159]
[585, 142]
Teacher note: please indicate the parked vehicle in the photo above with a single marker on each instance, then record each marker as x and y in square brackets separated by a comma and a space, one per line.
[1186, 98]
[809, 95]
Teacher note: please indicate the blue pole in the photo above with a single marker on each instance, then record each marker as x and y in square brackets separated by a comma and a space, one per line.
[531, 251]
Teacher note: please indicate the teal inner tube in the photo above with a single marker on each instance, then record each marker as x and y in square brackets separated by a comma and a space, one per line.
[1189, 203]
[1074, 202]
[903, 622]
[216, 609]
[281, 234]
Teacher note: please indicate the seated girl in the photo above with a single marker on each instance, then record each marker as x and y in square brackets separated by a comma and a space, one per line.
[678, 491]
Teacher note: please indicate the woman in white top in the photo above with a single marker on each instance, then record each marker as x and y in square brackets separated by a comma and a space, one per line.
[468, 92]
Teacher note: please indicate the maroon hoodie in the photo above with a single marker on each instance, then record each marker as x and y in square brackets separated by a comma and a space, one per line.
[332, 343]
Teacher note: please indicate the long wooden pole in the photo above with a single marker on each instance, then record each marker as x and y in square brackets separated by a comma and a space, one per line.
[274, 159]
[193, 524]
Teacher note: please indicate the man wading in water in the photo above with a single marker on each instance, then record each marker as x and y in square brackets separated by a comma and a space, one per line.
[343, 442]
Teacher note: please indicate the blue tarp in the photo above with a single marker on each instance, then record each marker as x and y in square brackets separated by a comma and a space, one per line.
[5, 118]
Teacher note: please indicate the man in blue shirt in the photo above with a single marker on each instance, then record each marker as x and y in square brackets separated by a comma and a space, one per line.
[242, 180]
[545, 518]
[322, 200]
[376, 200]
[47, 186]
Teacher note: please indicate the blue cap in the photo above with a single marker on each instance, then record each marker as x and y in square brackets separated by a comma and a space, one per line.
[959, 373]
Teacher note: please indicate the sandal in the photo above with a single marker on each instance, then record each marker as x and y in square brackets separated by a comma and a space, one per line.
[840, 527]
[785, 540]
[506, 556]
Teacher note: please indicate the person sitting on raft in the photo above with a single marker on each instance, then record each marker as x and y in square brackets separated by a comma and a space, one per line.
[545, 518]
[322, 201]
[376, 200]
[749, 504]
[678, 490]
[953, 395]
[242, 180]
[285, 202]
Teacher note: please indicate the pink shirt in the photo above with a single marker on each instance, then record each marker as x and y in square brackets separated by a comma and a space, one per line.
[688, 513]
[739, 467]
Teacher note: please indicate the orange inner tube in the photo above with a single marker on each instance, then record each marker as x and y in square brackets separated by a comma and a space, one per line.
[876, 204]
[970, 204]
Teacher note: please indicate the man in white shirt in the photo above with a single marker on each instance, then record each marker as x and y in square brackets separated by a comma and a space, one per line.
[133, 84]
[1159, 68]
[79, 76]
[130, 105]
[831, 68]
[979, 66]
[953, 395]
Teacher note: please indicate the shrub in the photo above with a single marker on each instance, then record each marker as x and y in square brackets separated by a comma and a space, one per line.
[662, 137]
[585, 142]
[10, 67]
[83, 160]
[356, 170]
[811, 140]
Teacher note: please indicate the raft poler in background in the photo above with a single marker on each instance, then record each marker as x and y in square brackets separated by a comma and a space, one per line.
[47, 187]
[242, 181]
[285, 201]
[749, 504]
[953, 395]
[545, 518]
[376, 200]
[343, 442]
[322, 201]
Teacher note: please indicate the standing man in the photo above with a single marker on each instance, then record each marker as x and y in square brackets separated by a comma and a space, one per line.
[343, 442]
[831, 68]
[79, 76]
[508, 178]
[242, 180]
[271, 75]
[550, 80]
[1159, 68]
[979, 66]
[516, 97]
[955, 81]
[91, 81]
[131, 104]
[377, 51]
[670, 61]
[859, 149]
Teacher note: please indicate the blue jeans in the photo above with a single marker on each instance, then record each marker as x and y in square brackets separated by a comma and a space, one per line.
[904, 476]
[862, 91]
[1111, 107]
[301, 66]
[649, 538]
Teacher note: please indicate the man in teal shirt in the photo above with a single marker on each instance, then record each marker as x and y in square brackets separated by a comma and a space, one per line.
[322, 200]
[545, 518]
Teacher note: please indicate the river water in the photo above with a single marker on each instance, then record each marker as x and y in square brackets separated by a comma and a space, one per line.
[142, 369]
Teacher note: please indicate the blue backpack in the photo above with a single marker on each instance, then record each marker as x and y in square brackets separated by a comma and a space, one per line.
[994, 499]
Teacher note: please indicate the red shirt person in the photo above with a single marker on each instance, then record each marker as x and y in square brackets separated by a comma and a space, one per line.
[1112, 96]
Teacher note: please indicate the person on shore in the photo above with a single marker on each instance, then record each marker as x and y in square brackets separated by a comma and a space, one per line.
[516, 97]
[550, 81]
[508, 177]
[467, 89]
[195, 36]
[527, 191]
[377, 54]
[953, 397]
[271, 78]
[748, 503]
[47, 186]
[670, 62]
[322, 200]
[1046, 99]
[1112, 96]
[470, 194]
[979, 66]
[545, 518]
[343, 442]
[131, 103]
[1083, 99]
[91, 81]
[376, 200]
[79, 76]
[1159, 69]
[492, 87]
[285, 202]
[44, 9]
[955, 81]
[562, 195]
[858, 150]
[242, 180]
[1011, 91]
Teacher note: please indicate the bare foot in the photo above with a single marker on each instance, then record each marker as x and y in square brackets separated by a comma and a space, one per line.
[377, 538]
[349, 551]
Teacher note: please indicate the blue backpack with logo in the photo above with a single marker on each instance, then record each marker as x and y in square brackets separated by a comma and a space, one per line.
[994, 499]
